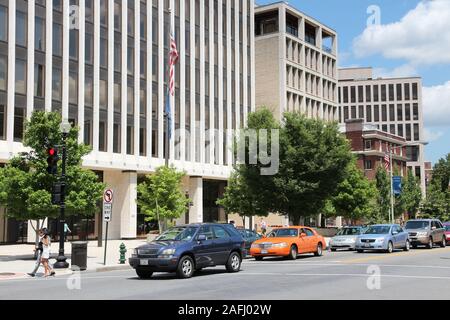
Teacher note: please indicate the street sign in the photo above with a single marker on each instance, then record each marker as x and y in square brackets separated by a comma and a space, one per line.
[397, 185]
[108, 196]
[107, 204]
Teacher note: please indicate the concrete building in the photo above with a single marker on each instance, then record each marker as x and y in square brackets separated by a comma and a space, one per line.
[370, 145]
[102, 64]
[296, 62]
[393, 105]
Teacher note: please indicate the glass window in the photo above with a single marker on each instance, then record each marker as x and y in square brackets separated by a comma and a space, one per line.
[117, 15]
[143, 26]
[375, 93]
[3, 23]
[73, 45]
[39, 83]
[130, 60]
[399, 91]
[3, 72]
[368, 113]
[21, 28]
[117, 97]
[400, 130]
[57, 5]
[368, 144]
[143, 64]
[368, 94]
[21, 76]
[19, 118]
[407, 112]
[360, 94]
[89, 49]
[383, 92]
[2, 121]
[89, 91]
[220, 233]
[103, 94]
[408, 132]
[391, 92]
[39, 34]
[399, 112]
[104, 12]
[143, 103]
[56, 84]
[102, 136]
[89, 4]
[368, 165]
[103, 52]
[353, 94]
[376, 113]
[117, 57]
[407, 93]
[130, 140]
[130, 100]
[416, 132]
[73, 88]
[116, 138]
[130, 22]
[391, 112]
[57, 39]
[345, 93]
[415, 111]
[414, 91]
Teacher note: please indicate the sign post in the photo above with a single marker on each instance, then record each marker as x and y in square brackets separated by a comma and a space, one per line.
[107, 214]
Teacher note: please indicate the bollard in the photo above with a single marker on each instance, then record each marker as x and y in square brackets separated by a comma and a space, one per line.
[122, 251]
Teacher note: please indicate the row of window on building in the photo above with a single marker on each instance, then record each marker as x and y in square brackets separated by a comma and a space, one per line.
[376, 93]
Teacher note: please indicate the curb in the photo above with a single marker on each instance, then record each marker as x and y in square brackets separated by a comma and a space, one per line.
[112, 268]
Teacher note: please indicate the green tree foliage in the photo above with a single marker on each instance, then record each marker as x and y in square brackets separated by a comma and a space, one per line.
[411, 195]
[383, 196]
[161, 197]
[313, 161]
[25, 185]
[355, 196]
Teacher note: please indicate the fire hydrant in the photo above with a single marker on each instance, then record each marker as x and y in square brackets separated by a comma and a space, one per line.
[122, 251]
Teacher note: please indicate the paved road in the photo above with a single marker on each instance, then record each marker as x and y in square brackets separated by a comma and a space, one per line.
[418, 274]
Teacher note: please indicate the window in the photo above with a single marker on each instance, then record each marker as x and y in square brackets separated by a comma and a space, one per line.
[130, 22]
[104, 12]
[73, 88]
[19, 118]
[414, 91]
[89, 49]
[353, 94]
[383, 92]
[130, 60]
[391, 92]
[399, 91]
[3, 24]
[103, 94]
[308, 232]
[399, 112]
[400, 130]
[89, 91]
[3, 72]
[39, 83]
[368, 94]
[116, 138]
[117, 57]
[375, 94]
[143, 64]
[407, 112]
[142, 142]
[360, 94]
[130, 140]
[143, 26]
[368, 113]
[103, 52]
[368, 165]
[21, 76]
[376, 113]
[39, 34]
[415, 111]
[407, 93]
[207, 232]
[408, 132]
[220, 233]
[117, 15]
[2, 121]
[368, 144]
[57, 39]
[73, 44]
[345, 94]
[89, 4]
[57, 5]
[130, 101]
[391, 112]
[56, 84]
[117, 97]
[21, 29]
[416, 132]
[102, 136]
[143, 103]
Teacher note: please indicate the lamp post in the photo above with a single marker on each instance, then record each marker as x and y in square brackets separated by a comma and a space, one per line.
[61, 262]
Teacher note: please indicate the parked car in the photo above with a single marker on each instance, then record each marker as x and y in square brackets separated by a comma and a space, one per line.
[426, 232]
[383, 237]
[447, 231]
[249, 236]
[345, 238]
[185, 249]
[288, 242]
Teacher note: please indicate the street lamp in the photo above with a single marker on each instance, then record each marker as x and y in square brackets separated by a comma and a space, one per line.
[61, 262]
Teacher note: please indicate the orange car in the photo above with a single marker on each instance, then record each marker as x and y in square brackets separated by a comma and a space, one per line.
[288, 242]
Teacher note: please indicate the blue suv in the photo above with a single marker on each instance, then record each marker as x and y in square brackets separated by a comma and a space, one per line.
[188, 248]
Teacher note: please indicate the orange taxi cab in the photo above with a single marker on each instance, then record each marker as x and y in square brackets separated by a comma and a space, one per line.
[288, 242]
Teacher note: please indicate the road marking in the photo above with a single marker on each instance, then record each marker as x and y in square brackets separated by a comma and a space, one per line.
[397, 254]
[353, 264]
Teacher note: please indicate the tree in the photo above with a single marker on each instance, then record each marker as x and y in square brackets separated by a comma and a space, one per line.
[313, 157]
[25, 187]
[383, 199]
[161, 197]
[411, 195]
[355, 195]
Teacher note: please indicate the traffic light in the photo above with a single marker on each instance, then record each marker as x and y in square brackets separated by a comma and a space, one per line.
[52, 160]
[56, 193]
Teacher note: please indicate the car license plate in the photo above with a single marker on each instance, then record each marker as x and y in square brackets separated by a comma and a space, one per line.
[367, 245]
[143, 262]
[263, 251]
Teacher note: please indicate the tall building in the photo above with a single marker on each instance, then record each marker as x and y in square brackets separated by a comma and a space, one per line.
[296, 62]
[393, 105]
[103, 65]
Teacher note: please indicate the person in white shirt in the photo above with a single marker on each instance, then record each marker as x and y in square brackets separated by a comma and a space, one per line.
[263, 227]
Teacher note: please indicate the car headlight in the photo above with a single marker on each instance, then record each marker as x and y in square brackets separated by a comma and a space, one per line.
[380, 240]
[280, 245]
[254, 245]
[168, 252]
[353, 240]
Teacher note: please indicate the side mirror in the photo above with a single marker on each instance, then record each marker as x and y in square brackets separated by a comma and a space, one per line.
[394, 233]
[433, 228]
[201, 238]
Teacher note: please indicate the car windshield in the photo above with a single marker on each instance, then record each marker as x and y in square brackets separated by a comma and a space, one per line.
[417, 225]
[447, 227]
[278, 233]
[378, 230]
[349, 232]
[178, 234]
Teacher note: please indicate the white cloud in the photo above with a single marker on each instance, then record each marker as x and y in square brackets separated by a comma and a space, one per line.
[431, 135]
[405, 70]
[421, 37]
[436, 105]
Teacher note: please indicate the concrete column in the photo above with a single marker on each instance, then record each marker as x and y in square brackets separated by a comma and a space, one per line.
[124, 216]
[339, 222]
[196, 195]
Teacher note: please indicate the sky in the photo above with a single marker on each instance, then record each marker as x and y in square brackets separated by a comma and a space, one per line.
[397, 38]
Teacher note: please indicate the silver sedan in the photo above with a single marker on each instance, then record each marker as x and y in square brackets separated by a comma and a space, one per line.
[346, 238]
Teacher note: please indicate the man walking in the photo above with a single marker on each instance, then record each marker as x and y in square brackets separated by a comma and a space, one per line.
[263, 227]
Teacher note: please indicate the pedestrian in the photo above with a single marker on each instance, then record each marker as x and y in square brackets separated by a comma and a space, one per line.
[66, 230]
[233, 223]
[263, 227]
[46, 245]
[38, 249]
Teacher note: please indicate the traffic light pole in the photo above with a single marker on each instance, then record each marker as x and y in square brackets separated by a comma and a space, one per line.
[61, 259]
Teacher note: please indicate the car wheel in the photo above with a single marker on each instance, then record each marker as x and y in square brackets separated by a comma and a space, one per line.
[430, 243]
[319, 251]
[444, 242]
[293, 253]
[390, 247]
[359, 251]
[258, 258]
[407, 246]
[333, 250]
[234, 262]
[144, 274]
[185, 267]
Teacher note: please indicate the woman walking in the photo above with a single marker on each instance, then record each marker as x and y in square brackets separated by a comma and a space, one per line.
[46, 244]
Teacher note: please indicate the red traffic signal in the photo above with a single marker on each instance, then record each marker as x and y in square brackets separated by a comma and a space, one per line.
[51, 152]
[52, 161]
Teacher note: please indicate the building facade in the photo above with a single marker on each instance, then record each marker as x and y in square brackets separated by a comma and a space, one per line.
[296, 62]
[392, 105]
[103, 65]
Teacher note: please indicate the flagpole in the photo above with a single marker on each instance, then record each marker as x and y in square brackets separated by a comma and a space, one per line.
[166, 115]
[392, 186]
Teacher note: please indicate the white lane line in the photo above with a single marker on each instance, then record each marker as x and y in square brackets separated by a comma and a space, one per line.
[346, 265]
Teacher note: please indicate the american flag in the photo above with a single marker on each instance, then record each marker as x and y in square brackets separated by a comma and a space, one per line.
[173, 59]
[387, 161]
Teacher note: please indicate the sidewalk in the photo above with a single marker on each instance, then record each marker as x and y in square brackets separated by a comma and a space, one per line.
[17, 260]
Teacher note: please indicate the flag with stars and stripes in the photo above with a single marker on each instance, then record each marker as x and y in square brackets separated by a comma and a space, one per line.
[173, 59]
[387, 161]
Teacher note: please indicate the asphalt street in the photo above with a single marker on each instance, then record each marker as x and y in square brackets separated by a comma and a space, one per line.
[418, 274]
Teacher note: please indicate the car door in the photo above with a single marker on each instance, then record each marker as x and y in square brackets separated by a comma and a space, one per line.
[434, 231]
[310, 240]
[222, 245]
[401, 237]
[440, 231]
[204, 250]
[395, 236]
